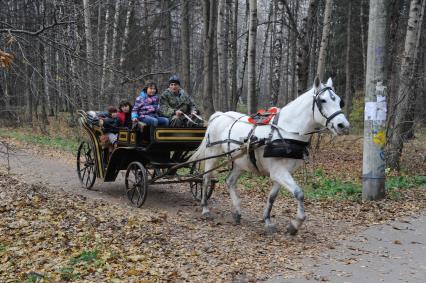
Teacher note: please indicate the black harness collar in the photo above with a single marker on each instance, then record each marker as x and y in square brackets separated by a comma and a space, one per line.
[317, 102]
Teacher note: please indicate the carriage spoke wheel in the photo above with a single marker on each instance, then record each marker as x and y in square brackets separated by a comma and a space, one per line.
[136, 183]
[86, 166]
[196, 187]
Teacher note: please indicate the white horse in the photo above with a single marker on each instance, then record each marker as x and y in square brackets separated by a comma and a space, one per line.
[315, 110]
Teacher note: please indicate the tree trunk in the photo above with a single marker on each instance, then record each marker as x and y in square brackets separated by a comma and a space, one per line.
[102, 98]
[251, 77]
[166, 31]
[305, 45]
[324, 39]
[111, 77]
[208, 32]
[89, 49]
[408, 128]
[222, 51]
[244, 51]
[130, 8]
[277, 53]
[362, 28]
[293, 65]
[373, 167]
[233, 100]
[406, 82]
[46, 80]
[348, 83]
[185, 45]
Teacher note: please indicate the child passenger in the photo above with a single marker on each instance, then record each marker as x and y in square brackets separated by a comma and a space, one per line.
[146, 108]
[125, 114]
[110, 125]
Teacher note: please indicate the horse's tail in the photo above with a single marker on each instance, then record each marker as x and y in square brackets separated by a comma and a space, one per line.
[200, 152]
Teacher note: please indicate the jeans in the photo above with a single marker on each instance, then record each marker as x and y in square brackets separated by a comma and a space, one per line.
[155, 121]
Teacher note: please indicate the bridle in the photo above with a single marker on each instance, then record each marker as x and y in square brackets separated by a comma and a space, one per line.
[317, 102]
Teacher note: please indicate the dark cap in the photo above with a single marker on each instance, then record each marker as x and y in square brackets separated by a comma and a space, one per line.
[174, 79]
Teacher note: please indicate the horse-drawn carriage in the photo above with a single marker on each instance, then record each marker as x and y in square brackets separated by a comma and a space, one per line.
[274, 149]
[150, 155]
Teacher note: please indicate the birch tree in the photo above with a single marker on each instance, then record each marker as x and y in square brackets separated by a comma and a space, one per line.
[406, 84]
[89, 48]
[305, 44]
[130, 7]
[209, 11]
[105, 55]
[222, 51]
[277, 52]
[185, 45]
[324, 39]
[233, 99]
[251, 77]
[348, 81]
[111, 77]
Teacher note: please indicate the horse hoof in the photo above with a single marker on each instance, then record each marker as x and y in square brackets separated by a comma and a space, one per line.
[291, 229]
[207, 216]
[237, 218]
[271, 228]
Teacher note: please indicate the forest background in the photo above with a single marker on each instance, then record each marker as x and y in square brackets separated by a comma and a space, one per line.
[59, 56]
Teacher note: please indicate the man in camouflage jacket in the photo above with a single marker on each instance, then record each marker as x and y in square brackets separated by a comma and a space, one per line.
[174, 103]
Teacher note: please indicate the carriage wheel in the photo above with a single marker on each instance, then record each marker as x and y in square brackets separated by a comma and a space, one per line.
[196, 187]
[136, 183]
[86, 166]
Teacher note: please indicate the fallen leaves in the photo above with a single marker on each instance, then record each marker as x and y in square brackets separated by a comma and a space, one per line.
[5, 59]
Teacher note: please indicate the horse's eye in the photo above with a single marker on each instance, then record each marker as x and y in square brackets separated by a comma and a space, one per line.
[323, 101]
[342, 103]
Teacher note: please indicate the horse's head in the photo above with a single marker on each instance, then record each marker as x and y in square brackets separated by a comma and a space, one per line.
[327, 108]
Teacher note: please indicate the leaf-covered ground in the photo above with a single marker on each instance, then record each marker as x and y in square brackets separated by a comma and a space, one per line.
[50, 235]
[59, 236]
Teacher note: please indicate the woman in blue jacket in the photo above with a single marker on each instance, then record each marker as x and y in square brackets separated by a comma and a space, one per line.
[146, 108]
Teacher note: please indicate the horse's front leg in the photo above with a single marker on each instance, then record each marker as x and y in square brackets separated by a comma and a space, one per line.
[231, 181]
[286, 180]
[270, 227]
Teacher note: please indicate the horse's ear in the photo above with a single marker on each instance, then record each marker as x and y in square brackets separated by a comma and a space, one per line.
[317, 82]
[329, 82]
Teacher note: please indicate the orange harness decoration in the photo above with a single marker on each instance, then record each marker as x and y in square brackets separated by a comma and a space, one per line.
[263, 117]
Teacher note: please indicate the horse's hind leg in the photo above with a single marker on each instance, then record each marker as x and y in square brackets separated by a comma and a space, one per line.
[231, 181]
[209, 164]
[270, 227]
[287, 181]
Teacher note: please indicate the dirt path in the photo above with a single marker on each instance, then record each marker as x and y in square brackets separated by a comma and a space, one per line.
[60, 173]
[220, 251]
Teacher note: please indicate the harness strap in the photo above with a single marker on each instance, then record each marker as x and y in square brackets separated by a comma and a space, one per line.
[210, 144]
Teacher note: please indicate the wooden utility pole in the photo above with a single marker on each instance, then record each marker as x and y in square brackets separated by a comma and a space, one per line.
[373, 167]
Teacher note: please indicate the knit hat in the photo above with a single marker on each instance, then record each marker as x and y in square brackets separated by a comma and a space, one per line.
[174, 79]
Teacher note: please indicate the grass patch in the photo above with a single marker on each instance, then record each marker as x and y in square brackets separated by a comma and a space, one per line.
[401, 182]
[57, 142]
[67, 273]
[323, 188]
[86, 257]
[34, 277]
[3, 248]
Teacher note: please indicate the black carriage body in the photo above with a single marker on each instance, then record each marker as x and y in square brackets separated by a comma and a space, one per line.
[151, 146]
